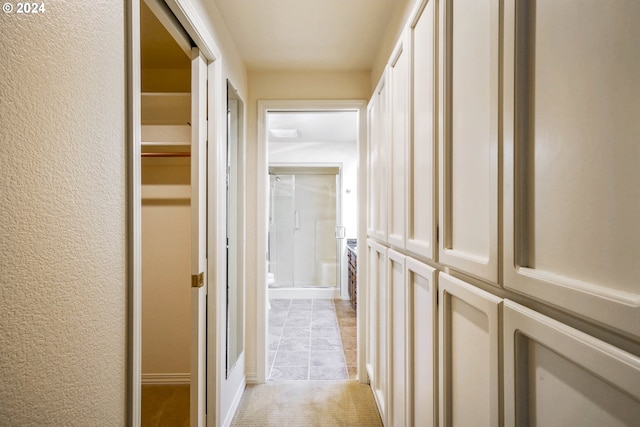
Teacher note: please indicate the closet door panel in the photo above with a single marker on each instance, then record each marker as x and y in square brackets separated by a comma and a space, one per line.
[398, 71]
[558, 376]
[378, 161]
[469, 320]
[469, 152]
[420, 170]
[422, 372]
[372, 316]
[571, 160]
[372, 134]
[398, 338]
[381, 171]
[379, 372]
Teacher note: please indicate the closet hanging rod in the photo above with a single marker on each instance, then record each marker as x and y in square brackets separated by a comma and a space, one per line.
[174, 154]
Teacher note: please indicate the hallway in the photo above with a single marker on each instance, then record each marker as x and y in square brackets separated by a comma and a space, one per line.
[312, 370]
[308, 404]
[498, 200]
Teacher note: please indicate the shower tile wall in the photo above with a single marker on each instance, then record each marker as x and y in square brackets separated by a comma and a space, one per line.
[311, 340]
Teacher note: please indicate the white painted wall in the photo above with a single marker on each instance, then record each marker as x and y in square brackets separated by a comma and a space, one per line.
[63, 275]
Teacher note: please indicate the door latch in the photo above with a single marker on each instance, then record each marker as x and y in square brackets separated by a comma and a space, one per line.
[197, 280]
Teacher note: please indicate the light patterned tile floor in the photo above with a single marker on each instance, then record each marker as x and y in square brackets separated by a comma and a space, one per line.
[311, 340]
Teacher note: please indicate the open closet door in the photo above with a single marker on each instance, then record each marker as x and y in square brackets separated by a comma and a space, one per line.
[198, 237]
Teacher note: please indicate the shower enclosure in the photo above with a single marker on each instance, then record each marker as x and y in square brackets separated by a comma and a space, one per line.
[303, 227]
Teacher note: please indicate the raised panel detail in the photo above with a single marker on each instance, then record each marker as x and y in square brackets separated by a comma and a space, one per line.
[558, 376]
[377, 161]
[398, 72]
[422, 367]
[377, 351]
[469, 151]
[571, 157]
[469, 356]
[372, 117]
[419, 165]
[398, 339]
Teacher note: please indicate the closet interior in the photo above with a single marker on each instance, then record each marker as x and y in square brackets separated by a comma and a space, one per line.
[166, 215]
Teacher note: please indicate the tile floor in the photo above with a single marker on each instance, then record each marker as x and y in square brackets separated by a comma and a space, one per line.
[311, 339]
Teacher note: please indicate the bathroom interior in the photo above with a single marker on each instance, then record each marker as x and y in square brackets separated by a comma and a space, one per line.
[312, 201]
[312, 228]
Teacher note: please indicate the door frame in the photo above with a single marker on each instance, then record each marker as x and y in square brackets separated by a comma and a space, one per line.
[190, 20]
[262, 226]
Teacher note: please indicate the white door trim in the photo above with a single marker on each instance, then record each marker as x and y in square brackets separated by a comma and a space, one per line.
[199, 188]
[134, 218]
[262, 225]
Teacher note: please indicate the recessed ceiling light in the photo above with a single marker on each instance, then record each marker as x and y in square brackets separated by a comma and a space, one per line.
[284, 133]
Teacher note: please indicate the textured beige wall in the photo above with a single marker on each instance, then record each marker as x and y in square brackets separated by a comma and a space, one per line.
[63, 216]
[273, 85]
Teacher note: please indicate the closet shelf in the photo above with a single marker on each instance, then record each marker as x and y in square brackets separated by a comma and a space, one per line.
[166, 154]
[166, 135]
[166, 192]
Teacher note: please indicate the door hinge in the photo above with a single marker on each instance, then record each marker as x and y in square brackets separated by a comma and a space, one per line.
[437, 234]
[197, 280]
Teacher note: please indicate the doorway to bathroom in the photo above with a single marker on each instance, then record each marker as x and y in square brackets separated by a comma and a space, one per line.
[309, 155]
[305, 230]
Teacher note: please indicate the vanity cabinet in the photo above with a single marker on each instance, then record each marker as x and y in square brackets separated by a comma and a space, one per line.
[352, 264]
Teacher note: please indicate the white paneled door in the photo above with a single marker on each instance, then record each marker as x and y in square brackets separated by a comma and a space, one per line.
[556, 376]
[422, 139]
[422, 347]
[398, 339]
[378, 323]
[398, 113]
[469, 141]
[469, 374]
[571, 175]
[198, 237]
[378, 111]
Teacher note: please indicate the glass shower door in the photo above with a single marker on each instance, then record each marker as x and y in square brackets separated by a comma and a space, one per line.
[303, 218]
[281, 228]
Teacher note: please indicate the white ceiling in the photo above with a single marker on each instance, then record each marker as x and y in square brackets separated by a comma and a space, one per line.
[307, 34]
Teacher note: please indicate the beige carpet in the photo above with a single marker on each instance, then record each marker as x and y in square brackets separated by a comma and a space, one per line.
[308, 403]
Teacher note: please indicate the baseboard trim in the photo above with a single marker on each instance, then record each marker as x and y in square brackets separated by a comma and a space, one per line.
[251, 378]
[148, 379]
[236, 402]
